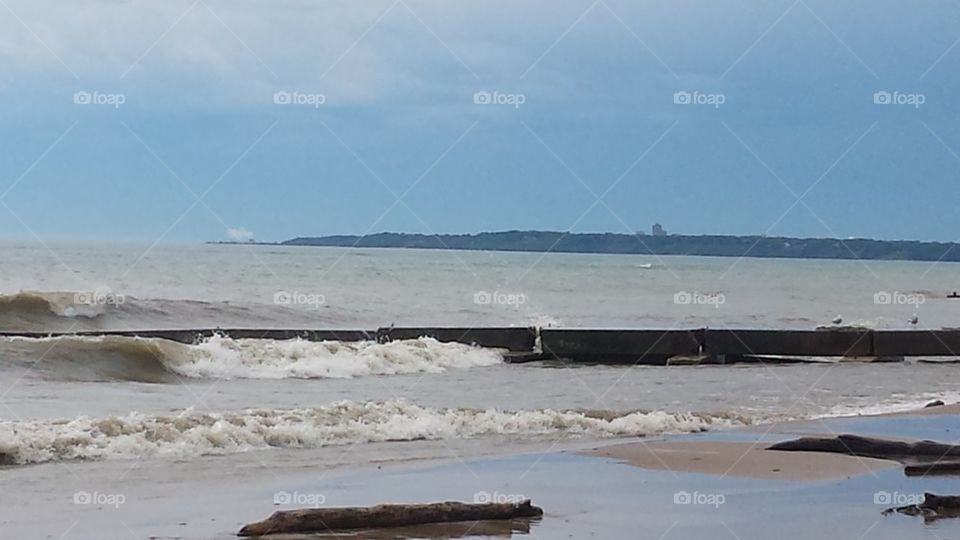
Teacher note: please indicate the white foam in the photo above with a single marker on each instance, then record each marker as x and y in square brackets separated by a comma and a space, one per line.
[218, 357]
[226, 358]
[346, 422]
[544, 320]
[897, 403]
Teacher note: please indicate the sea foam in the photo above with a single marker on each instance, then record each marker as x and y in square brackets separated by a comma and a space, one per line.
[347, 422]
[218, 357]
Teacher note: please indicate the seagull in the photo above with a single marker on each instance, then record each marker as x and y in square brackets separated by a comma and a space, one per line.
[913, 320]
[837, 320]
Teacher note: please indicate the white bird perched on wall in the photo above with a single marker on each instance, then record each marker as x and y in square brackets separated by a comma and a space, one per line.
[837, 320]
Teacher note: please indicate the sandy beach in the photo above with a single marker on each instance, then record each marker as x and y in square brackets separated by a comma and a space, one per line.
[742, 459]
[684, 486]
[750, 459]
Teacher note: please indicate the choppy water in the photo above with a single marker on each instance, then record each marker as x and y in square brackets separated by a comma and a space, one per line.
[67, 399]
[181, 286]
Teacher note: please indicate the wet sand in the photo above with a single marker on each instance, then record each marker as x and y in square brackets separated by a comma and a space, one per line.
[585, 494]
[740, 459]
[748, 457]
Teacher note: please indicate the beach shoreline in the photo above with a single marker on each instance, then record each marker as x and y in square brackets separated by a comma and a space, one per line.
[749, 458]
[584, 488]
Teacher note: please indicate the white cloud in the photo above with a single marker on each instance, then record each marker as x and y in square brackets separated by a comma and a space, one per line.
[222, 53]
[239, 234]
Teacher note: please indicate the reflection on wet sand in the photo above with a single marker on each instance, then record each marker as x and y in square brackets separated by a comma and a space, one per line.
[434, 531]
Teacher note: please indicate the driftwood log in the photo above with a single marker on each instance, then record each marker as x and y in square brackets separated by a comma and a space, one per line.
[504, 528]
[939, 467]
[933, 507]
[382, 516]
[921, 457]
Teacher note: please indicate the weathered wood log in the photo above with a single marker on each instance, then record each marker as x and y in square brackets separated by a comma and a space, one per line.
[310, 520]
[503, 528]
[932, 469]
[920, 452]
[933, 507]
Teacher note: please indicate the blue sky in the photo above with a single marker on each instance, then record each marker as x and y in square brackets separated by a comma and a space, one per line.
[797, 145]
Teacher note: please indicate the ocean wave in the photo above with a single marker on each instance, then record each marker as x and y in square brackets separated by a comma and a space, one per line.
[60, 304]
[221, 357]
[106, 358]
[65, 311]
[102, 309]
[191, 434]
[27, 309]
[896, 403]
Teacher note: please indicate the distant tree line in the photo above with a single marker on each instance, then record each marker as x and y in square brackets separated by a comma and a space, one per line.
[720, 246]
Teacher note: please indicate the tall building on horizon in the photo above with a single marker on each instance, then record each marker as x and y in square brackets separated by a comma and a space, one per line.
[658, 230]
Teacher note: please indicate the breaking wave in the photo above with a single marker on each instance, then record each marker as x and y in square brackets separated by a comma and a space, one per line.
[69, 311]
[347, 422]
[28, 309]
[106, 358]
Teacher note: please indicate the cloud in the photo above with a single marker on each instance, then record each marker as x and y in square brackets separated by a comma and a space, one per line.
[223, 54]
[239, 234]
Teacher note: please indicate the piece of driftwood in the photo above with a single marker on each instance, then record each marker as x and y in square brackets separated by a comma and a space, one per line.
[504, 528]
[855, 445]
[933, 507]
[939, 467]
[382, 516]
[920, 457]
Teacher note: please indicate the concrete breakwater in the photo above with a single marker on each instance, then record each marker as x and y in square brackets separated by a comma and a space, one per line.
[629, 346]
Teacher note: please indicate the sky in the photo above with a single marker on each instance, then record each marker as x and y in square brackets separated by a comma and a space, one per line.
[197, 120]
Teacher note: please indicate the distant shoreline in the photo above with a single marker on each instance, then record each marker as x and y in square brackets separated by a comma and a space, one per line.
[640, 244]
